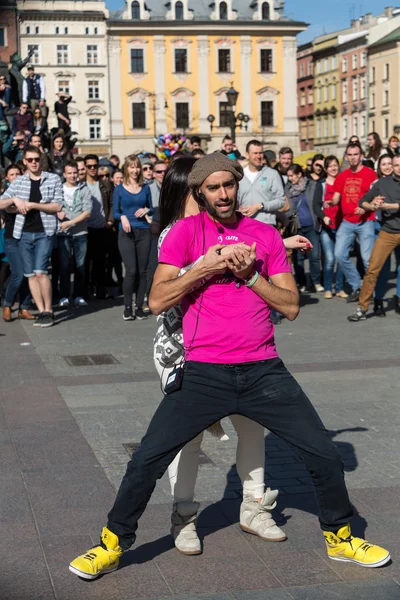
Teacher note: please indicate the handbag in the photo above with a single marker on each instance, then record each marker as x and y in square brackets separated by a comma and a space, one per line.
[293, 224]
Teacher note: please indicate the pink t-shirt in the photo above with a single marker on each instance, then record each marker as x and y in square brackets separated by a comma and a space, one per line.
[222, 323]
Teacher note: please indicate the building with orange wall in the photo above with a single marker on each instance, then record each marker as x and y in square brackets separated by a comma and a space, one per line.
[171, 66]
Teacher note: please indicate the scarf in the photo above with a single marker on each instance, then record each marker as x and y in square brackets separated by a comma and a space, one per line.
[297, 188]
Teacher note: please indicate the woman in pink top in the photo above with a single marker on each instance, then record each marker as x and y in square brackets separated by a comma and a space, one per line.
[330, 224]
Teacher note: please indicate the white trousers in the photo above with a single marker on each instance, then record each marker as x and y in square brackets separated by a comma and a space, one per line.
[250, 456]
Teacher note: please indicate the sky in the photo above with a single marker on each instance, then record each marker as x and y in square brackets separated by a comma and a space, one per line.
[323, 16]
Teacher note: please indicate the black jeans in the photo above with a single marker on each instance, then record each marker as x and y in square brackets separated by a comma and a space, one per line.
[313, 256]
[264, 392]
[153, 261]
[96, 260]
[135, 250]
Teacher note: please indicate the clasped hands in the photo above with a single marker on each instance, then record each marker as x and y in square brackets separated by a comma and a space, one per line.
[238, 258]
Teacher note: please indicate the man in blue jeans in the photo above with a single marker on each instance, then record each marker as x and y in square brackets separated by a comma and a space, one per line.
[37, 197]
[232, 365]
[72, 235]
[350, 186]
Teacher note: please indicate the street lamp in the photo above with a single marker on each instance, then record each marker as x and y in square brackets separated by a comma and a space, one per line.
[232, 97]
[154, 109]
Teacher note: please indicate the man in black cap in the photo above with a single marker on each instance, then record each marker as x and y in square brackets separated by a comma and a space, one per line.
[232, 365]
[34, 91]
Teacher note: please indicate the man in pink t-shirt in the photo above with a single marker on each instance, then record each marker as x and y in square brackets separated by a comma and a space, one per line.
[232, 366]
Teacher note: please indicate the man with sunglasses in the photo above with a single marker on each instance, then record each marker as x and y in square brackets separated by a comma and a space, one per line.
[98, 226]
[36, 197]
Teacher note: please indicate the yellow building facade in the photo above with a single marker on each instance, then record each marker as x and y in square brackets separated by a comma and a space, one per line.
[170, 71]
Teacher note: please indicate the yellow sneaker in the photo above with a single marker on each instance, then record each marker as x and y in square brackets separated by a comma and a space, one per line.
[99, 559]
[343, 546]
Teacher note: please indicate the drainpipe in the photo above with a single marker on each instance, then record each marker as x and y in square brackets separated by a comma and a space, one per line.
[109, 92]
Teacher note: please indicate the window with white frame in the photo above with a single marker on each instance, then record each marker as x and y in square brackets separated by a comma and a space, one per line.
[36, 30]
[363, 59]
[96, 31]
[310, 69]
[266, 61]
[87, 30]
[387, 72]
[224, 60]
[355, 89]
[373, 125]
[334, 91]
[334, 62]
[386, 98]
[179, 14]
[64, 86]
[319, 94]
[334, 126]
[223, 11]
[354, 59]
[344, 64]
[92, 54]
[265, 11]
[345, 92]
[319, 67]
[302, 70]
[27, 30]
[62, 54]
[95, 129]
[135, 10]
[66, 30]
[35, 58]
[345, 128]
[93, 89]
[355, 126]
[326, 93]
[363, 126]
[57, 30]
[3, 36]
[319, 130]
[326, 127]
[138, 115]
[310, 94]
[302, 97]
[372, 100]
[267, 113]
[225, 114]
[182, 115]
[363, 90]
[386, 128]
[373, 74]
[326, 65]
[137, 60]
[181, 60]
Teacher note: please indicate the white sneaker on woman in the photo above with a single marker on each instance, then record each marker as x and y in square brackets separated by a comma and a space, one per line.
[256, 517]
[183, 528]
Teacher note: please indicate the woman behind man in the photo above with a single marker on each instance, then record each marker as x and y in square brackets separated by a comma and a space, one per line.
[131, 204]
[177, 202]
[330, 218]
[59, 154]
[305, 200]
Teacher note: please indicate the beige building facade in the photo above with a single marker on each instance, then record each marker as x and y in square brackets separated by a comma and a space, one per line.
[70, 52]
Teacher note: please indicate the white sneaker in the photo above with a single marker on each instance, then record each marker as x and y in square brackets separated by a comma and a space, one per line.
[80, 301]
[256, 517]
[319, 287]
[64, 303]
[183, 528]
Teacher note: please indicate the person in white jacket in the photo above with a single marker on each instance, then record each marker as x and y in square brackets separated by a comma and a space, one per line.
[261, 192]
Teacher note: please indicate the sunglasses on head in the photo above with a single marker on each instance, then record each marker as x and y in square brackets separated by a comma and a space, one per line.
[31, 160]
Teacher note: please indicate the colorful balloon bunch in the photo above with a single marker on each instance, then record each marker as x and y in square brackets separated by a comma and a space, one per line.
[168, 145]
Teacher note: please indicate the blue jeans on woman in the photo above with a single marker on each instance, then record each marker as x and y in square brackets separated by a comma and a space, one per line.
[17, 280]
[328, 239]
[313, 256]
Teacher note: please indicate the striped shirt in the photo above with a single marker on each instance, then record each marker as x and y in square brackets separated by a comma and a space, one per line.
[51, 190]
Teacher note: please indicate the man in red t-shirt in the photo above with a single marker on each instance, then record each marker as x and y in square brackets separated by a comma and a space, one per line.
[349, 187]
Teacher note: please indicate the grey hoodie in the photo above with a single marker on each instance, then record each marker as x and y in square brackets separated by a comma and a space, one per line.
[267, 190]
[83, 202]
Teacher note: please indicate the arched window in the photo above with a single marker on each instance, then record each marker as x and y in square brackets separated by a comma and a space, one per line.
[179, 11]
[265, 14]
[223, 11]
[135, 7]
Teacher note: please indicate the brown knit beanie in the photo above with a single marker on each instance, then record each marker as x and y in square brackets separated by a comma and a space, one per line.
[207, 165]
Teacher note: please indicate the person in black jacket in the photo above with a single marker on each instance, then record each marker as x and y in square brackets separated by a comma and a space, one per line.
[59, 154]
[305, 196]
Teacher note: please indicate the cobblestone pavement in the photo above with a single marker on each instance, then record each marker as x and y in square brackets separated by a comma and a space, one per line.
[64, 432]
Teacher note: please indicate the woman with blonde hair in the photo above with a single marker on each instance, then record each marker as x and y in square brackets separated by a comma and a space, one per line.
[131, 204]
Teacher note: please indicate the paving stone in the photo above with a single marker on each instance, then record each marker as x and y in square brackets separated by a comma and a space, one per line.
[388, 590]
